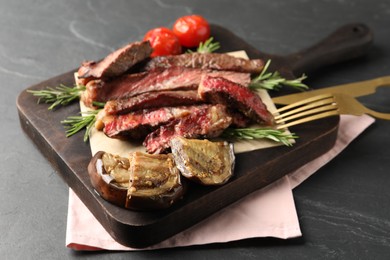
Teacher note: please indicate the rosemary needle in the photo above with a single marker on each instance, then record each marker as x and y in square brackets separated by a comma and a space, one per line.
[274, 81]
[259, 133]
[86, 120]
[59, 95]
[207, 46]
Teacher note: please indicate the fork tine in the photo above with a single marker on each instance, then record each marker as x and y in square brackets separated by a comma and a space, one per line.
[303, 102]
[284, 118]
[309, 109]
[308, 119]
[320, 103]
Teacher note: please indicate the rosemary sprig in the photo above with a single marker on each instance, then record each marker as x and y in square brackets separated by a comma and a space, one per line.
[59, 95]
[98, 104]
[207, 47]
[259, 133]
[274, 81]
[86, 120]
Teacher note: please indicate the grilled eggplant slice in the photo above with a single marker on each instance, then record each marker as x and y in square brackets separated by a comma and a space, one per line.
[109, 176]
[141, 182]
[154, 181]
[203, 161]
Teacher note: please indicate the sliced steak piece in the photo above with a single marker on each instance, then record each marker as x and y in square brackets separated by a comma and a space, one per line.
[161, 80]
[138, 124]
[219, 90]
[117, 62]
[98, 90]
[205, 123]
[177, 78]
[239, 119]
[149, 100]
[213, 61]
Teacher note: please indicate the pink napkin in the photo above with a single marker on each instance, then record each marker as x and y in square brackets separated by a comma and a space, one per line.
[269, 212]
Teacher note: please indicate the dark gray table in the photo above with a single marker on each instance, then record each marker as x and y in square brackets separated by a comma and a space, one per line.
[343, 209]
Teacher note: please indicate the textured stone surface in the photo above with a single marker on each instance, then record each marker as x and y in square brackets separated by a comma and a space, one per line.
[343, 209]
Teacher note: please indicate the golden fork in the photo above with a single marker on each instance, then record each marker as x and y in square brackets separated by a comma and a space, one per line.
[322, 106]
[354, 89]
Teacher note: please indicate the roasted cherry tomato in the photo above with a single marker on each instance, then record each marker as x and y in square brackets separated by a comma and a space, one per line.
[191, 30]
[163, 42]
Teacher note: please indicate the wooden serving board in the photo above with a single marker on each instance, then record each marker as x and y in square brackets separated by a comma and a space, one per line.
[254, 170]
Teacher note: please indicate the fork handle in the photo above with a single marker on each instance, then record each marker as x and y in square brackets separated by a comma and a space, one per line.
[385, 116]
[348, 42]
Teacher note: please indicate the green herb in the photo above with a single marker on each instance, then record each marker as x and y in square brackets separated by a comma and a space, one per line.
[207, 47]
[259, 133]
[274, 81]
[98, 104]
[74, 124]
[59, 95]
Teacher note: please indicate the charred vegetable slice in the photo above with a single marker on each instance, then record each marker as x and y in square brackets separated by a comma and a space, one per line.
[154, 181]
[108, 175]
[142, 182]
[203, 161]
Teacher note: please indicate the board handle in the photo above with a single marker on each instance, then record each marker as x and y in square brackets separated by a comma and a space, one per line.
[348, 42]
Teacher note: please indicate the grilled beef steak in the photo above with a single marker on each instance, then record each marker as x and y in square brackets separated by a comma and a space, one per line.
[177, 78]
[204, 123]
[153, 100]
[203, 161]
[213, 61]
[137, 125]
[98, 90]
[117, 62]
[219, 90]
